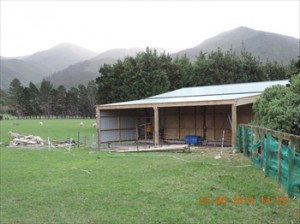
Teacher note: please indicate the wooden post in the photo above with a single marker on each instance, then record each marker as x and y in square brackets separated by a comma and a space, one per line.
[195, 120]
[98, 127]
[251, 144]
[291, 161]
[233, 125]
[262, 148]
[204, 122]
[179, 123]
[156, 125]
[268, 154]
[245, 140]
[189, 140]
[214, 123]
[240, 130]
[279, 159]
[119, 126]
[137, 135]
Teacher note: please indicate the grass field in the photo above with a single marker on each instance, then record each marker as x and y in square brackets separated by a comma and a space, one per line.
[86, 186]
[56, 129]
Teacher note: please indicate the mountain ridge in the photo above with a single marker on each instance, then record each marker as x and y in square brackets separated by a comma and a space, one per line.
[265, 45]
[60, 56]
[71, 65]
[35, 67]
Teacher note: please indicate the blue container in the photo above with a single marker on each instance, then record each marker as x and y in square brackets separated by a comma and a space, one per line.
[193, 140]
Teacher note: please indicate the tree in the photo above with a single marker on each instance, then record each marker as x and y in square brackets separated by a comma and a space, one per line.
[34, 100]
[106, 85]
[251, 68]
[60, 103]
[83, 102]
[16, 97]
[274, 71]
[91, 95]
[46, 97]
[72, 102]
[4, 102]
[182, 75]
[145, 75]
[28, 109]
[278, 108]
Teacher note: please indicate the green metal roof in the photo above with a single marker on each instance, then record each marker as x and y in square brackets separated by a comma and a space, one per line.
[207, 93]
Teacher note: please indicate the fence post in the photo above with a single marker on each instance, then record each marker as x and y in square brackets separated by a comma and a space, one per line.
[98, 138]
[251, 144]
[291, 161]
[279, 159]
[245, 140]
[241, 139]
[262, 151]
[137, 136]
[267, 165]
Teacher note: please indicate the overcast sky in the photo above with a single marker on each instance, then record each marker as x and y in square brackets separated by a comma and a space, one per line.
[31, 26]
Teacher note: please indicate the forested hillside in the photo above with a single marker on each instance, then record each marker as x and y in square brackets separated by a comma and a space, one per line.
[34, 68]
[71, 65]
[83, 72]
[146, 74]
[60, 57]
[150, 73]
[22, 70]
[267, 46]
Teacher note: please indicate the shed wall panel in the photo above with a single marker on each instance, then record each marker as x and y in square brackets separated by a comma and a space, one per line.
[129, 134]
[127, 122]
[107, 136]
[108, 122]
[170, 133]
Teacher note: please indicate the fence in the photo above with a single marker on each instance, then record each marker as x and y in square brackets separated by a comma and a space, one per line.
[276, 153]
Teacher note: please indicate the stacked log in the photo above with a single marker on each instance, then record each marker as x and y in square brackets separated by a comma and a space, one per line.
[24, 140]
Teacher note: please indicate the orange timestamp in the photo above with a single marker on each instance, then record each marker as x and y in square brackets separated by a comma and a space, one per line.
[243, 200]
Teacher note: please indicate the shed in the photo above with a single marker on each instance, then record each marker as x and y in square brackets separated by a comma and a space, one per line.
[204, 111]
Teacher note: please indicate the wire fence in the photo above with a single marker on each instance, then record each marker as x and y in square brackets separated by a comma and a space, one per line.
[276, 153]
[116, 139]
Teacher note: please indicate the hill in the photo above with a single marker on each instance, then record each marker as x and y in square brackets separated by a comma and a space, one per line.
[41, 64]
[22, 70]
[267, 46]
[60, 57]
[83, 72]
[71, 65]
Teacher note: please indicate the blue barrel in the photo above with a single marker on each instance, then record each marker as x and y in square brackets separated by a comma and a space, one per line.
[193, 140]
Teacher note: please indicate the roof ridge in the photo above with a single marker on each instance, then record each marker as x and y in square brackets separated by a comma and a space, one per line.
[244, 83]
[216, 94]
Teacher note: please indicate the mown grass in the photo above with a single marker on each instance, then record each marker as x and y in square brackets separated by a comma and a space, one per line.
[85, 186]
[55, 129]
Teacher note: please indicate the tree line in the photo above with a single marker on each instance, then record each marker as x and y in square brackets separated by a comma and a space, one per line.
[150, 73]
[48, 101]
[146, 74]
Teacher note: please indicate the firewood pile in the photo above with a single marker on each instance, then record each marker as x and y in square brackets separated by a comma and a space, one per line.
[25, 140]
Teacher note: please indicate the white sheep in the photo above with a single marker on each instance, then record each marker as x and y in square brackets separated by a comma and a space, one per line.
[94, 125]
[13, 134]
[41, 123]
[81, 124]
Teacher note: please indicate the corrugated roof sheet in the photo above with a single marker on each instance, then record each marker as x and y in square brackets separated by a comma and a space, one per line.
[207, 93]
[241, 88]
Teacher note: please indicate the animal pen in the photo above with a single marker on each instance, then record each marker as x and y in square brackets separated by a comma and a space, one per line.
[207, 111]
[276, 153]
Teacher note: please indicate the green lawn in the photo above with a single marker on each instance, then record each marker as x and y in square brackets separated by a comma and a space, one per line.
[55, 129]
[85, 186]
